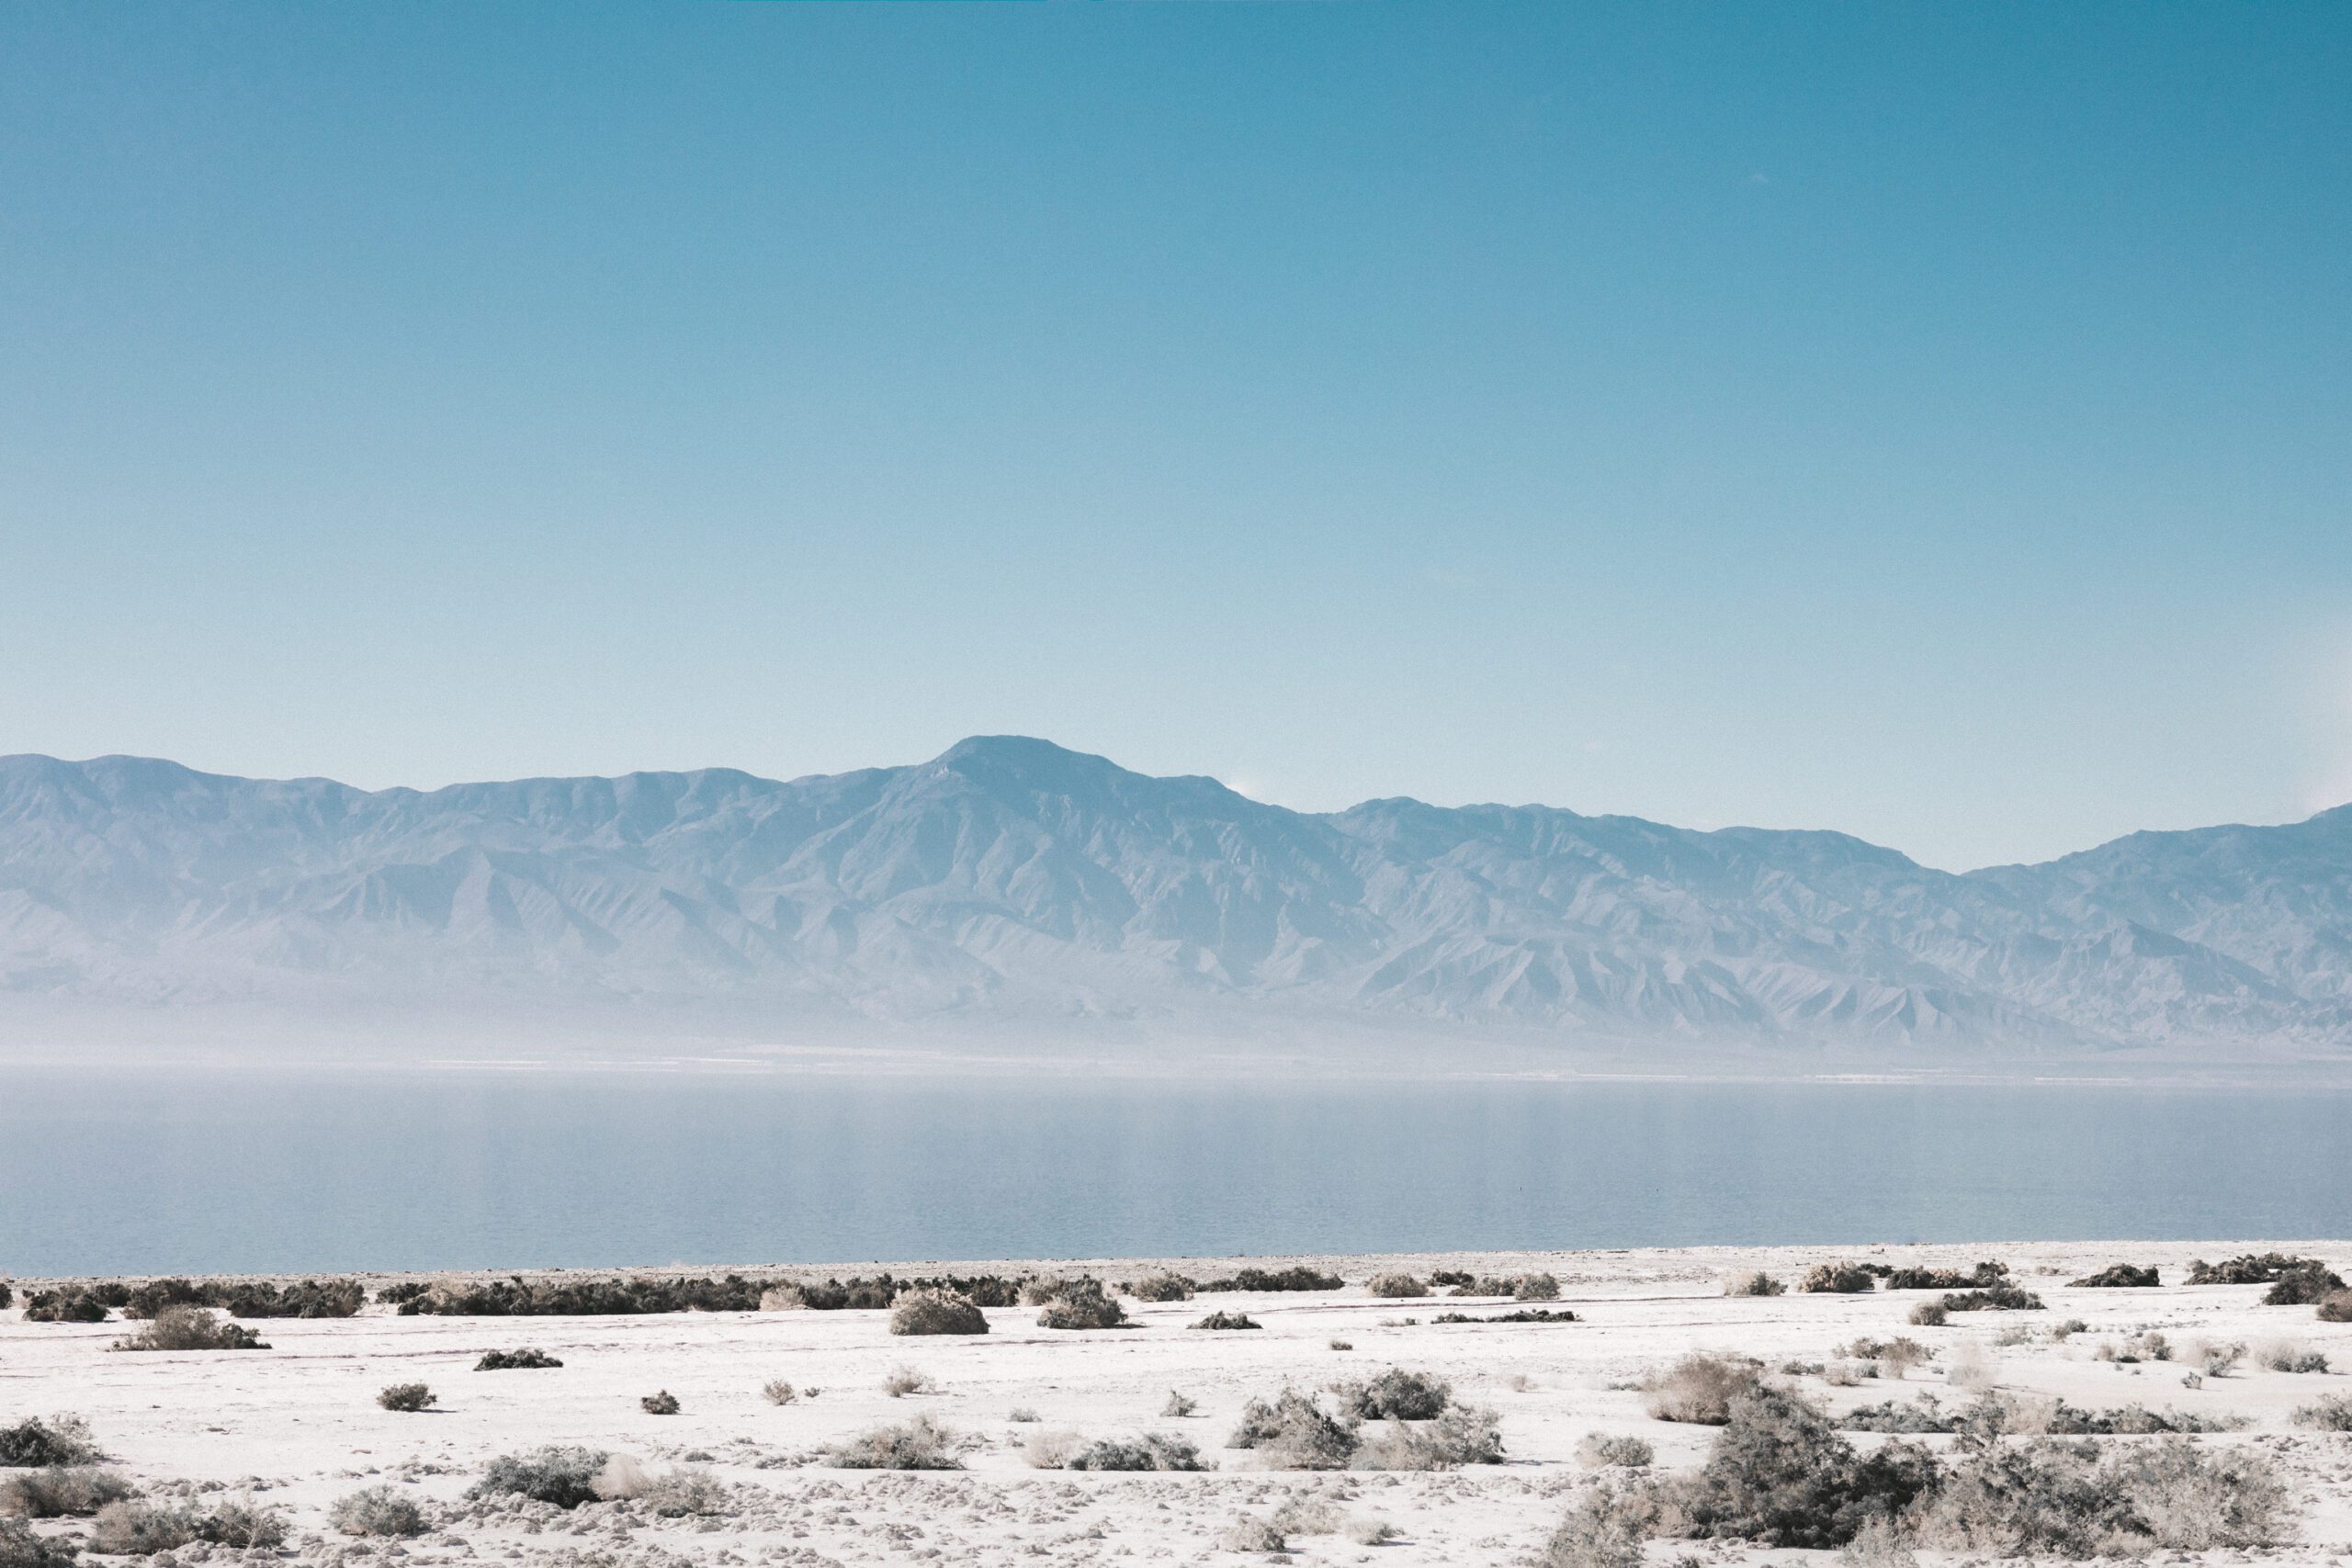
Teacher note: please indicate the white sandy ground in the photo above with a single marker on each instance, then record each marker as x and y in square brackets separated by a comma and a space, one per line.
[298, 1426]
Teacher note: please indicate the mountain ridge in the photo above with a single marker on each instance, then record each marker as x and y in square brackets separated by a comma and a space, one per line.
[1010, 879]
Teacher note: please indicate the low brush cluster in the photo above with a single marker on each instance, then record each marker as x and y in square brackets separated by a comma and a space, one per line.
[1780, 1474]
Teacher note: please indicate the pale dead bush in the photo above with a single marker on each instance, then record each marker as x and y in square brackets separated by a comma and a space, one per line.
[918, 1444]
[936, 1312]
[1700, 1388]
[378, 1511]
[1608, 1450]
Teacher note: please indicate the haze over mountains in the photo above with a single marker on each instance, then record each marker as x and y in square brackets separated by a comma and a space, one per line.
[1010, 884]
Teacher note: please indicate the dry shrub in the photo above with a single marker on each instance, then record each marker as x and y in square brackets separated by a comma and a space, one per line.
[1049, 1450]
[2251, 1268]
[2053, 1498]
[785, 1297]
[1993, 1298]
[1780, 1473]
[22, 1547]
[1046, 1289]
[190, 1328]
[904, 1381]
[779, 1391]
[61, 1439]
[2285, 1356]
[525, 1359]
[1024, 1416]
[688, 1491]
[1612, 1450]
[1221, 1319]
[1294, 1433]
[2329, 1413]
[407, 1396]
[1179, 1406]
[1459, 1435]
[1297, 1278]
[1150, 1451]
[1083, 1305]
[133, 1529]
[2119, 1277]
[2336, 1307]
[1396, 1395]
[1969, 1366]
[1249, 1533]
[141, 1529]
[664, 1402]
[918, 1444]
[1700, 1389]
[2215, 1359]
[1366, 1530]
[378, 1511]
[1838, 1278]
[1603, 1531]
[1753, 1284]
[1536, 1288]
[62, 1490]
[1395, 1287]
[1928, 1315]
[2304, 1285]
[936, 1312]
[1161, 1288]
[562, 1474]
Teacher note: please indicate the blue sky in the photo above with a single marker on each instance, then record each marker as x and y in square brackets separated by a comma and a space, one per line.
[1929, 421]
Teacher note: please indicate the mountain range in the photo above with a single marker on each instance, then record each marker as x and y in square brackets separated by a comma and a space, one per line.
[1010, 882]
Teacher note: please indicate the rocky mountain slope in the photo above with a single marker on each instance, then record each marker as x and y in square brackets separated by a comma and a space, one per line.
[1010, 879]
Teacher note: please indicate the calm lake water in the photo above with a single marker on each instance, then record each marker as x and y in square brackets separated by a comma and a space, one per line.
[243, 1171]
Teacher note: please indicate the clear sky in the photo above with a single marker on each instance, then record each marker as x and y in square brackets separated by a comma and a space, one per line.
[1932, 421]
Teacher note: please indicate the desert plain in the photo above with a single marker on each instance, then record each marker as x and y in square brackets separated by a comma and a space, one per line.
[297, 1427]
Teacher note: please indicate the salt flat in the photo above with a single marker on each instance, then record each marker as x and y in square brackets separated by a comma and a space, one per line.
[296, 1425]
